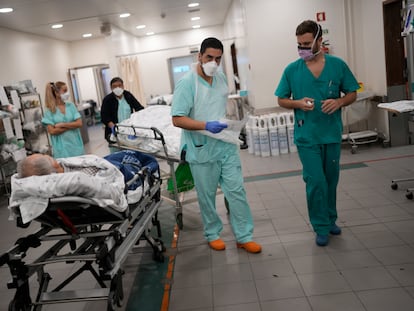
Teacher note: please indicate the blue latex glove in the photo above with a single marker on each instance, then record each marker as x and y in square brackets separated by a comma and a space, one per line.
[132, 137]
[215, 126]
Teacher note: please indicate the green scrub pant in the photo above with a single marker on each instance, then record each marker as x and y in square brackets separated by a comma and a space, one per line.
[321, 175]
[226, 172]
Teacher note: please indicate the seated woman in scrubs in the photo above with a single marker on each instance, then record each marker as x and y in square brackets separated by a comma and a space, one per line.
[63, 122]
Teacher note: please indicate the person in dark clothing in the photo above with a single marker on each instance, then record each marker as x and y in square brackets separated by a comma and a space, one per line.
[117, 106]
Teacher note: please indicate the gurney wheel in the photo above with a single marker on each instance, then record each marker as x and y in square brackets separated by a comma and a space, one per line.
[409, 195]
[179, 219]
[161, 243]
[354, 149]
[158, 256]
[394, 186]
[111, 302]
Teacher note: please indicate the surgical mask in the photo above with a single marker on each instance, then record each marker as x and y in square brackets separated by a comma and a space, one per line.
[210, 68]
[118, 91]
[65, 96]
[305, 53]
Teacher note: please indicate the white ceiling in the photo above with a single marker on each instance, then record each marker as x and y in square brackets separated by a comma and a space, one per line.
[87, 16]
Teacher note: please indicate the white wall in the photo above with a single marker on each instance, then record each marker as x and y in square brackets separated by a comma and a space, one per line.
[153, 53]
[88, 52]
[263, 31]
[369, 49]
[272, 43]
[156, 50]
[235, 32]
[29, 57]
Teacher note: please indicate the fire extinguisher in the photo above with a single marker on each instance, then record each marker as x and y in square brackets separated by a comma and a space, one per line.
[325, 46]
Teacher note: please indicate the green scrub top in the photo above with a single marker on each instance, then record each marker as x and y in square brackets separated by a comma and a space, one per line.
[69, 143]
[197, 99]
[315, 127]
[124, 110]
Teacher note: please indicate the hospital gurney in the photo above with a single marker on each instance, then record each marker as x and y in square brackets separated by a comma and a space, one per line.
[151, 131]
[78, 230]
[357, 112]
[140, 138]
[401, 106]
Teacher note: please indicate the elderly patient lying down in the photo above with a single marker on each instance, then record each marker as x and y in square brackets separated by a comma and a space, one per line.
[99, 179]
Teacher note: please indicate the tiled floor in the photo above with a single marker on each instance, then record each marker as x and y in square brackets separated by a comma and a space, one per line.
[369, 267]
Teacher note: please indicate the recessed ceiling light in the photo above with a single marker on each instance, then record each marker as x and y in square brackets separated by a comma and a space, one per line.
[193, 5]
[6, 10]
[141, 26]
[87, 35]
[57, 26]
[195, 18]
[124, 15]
[150, 33]
[196, 26]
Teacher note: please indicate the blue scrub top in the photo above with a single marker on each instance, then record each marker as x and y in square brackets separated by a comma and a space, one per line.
[315, 127]
[197, 99]
[69, 143]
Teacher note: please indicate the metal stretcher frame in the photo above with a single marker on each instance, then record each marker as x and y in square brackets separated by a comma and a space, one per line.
[361, 137]
[102, 246]
[157, 135]
[396, 107]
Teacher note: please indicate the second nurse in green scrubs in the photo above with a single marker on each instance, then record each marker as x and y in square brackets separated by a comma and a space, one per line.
[312, 86]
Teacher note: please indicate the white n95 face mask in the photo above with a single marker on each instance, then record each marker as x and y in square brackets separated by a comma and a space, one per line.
[65, 96]
[118, 91]
[210, 68]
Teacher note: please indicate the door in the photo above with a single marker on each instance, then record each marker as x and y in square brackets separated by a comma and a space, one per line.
[395, 59]
[396, 68]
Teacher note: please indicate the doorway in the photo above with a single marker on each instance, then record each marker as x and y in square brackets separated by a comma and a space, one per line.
[395, 58]
[90, 83]
[396, 69]
[235, 67]
[179, 66]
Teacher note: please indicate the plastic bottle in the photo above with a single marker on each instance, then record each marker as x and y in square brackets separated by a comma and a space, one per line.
[283, 135]
[256, 136]
[273, 134]
[249, 135]
[264, 137]
[290, 125]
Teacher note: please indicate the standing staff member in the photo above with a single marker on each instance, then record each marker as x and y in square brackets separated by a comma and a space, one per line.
[312, 86]
[200, 99]
[63, 122]
[117, 106]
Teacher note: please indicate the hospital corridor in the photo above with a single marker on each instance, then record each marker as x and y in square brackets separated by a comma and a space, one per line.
[209, 155]
[370, 266]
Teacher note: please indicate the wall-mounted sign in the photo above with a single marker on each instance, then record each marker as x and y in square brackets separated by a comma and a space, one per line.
[320, 16]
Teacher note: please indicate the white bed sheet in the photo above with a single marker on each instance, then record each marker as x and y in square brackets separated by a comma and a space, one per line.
[158, 116]
[31, 195]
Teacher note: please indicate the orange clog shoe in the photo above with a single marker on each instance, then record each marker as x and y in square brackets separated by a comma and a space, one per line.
[250, 247]
[217, 245]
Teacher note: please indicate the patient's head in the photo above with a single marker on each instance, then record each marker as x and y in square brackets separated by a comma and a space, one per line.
[38, 164]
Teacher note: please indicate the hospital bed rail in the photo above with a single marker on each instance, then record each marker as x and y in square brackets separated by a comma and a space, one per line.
[138, 144]
[99, 238]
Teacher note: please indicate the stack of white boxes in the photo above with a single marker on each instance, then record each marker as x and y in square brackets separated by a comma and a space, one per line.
[271, 134]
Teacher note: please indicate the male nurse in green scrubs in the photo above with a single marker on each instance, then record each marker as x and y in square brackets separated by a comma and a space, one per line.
[199, 102]
[317, 86]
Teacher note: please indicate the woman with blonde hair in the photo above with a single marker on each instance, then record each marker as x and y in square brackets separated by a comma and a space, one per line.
[63, 121]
